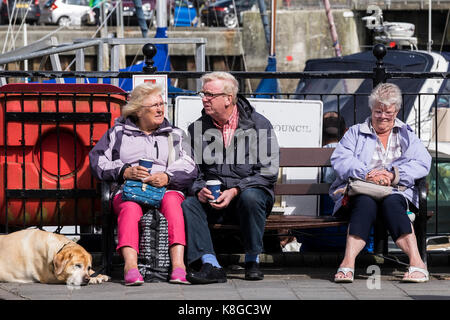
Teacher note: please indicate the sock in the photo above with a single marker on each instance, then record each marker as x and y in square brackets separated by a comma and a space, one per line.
[210, 258]
[251, 257]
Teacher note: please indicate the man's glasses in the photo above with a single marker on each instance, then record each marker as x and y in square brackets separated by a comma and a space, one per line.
[379, 113]
[160, 104]
[209, 95]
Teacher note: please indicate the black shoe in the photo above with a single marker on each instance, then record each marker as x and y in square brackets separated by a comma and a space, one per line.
[207, 274]
[252, 271]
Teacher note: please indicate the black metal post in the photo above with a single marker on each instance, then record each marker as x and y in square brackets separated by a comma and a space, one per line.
[149, 51]
[379, 72]
[379, 76]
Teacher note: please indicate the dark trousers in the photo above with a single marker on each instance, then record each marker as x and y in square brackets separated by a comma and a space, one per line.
[364, 210]
[248, 209]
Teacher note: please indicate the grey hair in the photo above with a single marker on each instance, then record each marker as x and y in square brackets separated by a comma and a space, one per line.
[137, 96]
[230, 84]
[387, 94]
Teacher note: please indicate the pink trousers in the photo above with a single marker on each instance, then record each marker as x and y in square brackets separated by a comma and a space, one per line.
[129, 213]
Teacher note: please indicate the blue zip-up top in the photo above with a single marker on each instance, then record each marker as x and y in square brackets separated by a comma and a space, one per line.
[354, 152]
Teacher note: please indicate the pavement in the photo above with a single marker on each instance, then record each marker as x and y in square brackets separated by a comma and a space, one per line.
[288, 277]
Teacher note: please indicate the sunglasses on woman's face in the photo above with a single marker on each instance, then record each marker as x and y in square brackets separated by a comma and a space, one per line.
[155, 105]
[379, 113]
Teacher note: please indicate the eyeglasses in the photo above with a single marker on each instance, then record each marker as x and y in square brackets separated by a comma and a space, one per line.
[209, 95]
[379, 113]
[160, 104]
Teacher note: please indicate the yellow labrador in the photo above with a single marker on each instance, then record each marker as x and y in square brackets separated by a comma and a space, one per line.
[33, 255]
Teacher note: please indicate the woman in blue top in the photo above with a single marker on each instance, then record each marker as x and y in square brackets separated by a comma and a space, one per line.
[375, 150]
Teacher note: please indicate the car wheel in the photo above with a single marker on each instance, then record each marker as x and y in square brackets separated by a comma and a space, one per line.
[64, 21]
[230, 20]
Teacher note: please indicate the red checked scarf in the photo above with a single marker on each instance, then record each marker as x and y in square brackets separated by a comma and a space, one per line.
[229, 127]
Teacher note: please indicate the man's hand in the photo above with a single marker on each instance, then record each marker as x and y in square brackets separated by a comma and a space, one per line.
[159, 179]
[135, 173]
[204, 195]
[225, 198]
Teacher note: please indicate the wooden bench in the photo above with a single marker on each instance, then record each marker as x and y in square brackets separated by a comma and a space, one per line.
[299, 157]
[320, 157]
[289, 158]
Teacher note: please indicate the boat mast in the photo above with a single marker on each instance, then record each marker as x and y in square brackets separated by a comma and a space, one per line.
[161, 14]
[430, 41]
[273, 14]
[334, 36]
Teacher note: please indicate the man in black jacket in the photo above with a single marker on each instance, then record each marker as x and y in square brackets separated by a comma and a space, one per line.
[234, 144]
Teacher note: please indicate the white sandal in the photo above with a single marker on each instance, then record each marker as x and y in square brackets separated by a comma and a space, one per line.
[411, 269]
[345, 270]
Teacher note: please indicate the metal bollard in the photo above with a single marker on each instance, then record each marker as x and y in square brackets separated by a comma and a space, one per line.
[379, 51]
[149, 51]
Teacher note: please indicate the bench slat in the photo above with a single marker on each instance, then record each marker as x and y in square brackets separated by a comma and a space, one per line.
[305, 157]
[275, 222]
[302, 189]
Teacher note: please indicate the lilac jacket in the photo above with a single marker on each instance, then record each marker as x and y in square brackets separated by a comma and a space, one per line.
[124, 144]
[355, 150]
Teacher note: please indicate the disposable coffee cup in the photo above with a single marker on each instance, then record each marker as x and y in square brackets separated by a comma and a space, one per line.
[214, 187]
[146, 163]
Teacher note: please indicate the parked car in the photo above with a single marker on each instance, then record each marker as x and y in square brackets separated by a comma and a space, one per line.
[224, 12]
[67, 12]
[184, 14]
[181, 12]
[23, 9]
[129, 12]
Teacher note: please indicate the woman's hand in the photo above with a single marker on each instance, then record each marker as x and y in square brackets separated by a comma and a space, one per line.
[381, 177]
[135, 173]
[159, 179]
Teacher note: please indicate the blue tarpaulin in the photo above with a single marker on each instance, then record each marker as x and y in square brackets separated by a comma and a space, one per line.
[269, 85]
[162, 59]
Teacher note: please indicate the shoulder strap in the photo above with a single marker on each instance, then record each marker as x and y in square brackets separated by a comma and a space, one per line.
[171, 157]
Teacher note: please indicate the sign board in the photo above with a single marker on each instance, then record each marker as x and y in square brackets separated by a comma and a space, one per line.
[160, 79]
[297, 123]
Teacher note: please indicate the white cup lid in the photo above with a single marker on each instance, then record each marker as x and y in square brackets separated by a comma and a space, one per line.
[213, 182]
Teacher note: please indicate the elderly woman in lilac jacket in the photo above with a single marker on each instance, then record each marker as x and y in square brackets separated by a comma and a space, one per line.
[142, 132]
[373, 151]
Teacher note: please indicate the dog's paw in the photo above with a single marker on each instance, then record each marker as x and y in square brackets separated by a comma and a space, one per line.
[99, 279]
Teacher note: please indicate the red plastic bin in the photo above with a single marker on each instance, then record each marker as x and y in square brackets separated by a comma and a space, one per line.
[44, 162]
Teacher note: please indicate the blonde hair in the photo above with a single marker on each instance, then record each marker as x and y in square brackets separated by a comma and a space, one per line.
[386, 94]
[230, 84]
[137, 96]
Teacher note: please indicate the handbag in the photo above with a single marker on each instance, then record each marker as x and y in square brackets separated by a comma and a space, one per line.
[153, 257]
[142, 193]
[357, 186]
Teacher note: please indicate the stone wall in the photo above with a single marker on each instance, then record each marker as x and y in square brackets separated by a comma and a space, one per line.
[300, 35]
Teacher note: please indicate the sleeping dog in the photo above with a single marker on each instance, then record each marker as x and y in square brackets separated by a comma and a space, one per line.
[33, 255]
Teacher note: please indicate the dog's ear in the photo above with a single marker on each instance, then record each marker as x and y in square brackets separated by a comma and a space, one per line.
[60, 261]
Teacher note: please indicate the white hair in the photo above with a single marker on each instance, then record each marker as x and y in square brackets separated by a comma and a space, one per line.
[387, 94]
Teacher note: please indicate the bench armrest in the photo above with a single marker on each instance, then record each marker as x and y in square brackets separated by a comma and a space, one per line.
[106, 197]
[420, 223]
[107, 226]
[421, 185]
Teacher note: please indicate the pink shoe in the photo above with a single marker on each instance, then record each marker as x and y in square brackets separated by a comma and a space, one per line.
[178, 276]
[133, 278]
